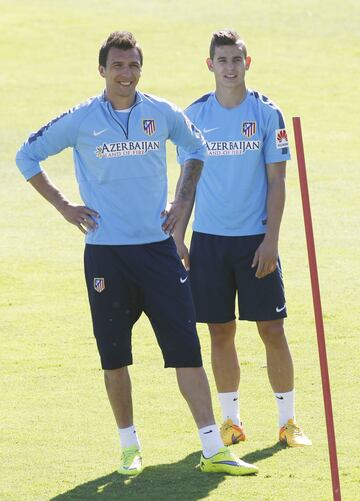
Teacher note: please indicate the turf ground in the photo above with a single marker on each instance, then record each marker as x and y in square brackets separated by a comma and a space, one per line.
[58, 439]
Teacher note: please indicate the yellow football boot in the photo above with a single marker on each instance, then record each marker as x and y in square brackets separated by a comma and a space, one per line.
[130, 461]
[231, 433]
[292, 435]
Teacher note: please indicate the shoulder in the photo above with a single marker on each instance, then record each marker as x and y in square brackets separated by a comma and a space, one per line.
[67, 122]
[90, 103]
[196, 107]
[268, 110]
[84, 111]
[263, 102]
[198, 103]
[158, 103]
[79, 111]
[201, 100]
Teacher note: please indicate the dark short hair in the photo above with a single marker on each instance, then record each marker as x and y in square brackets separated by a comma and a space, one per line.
[226, 37]
[121, 40]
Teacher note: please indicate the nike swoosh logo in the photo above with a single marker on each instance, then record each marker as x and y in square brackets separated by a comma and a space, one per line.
[280, 398]
[231, 463]
[99, 132]
[210, 130]
[234, 439]
[183, 280]
[280, 309]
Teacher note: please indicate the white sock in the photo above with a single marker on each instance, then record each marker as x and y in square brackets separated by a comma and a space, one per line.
[286, 406]
[210, 440]
[128, 437]
[230, 406]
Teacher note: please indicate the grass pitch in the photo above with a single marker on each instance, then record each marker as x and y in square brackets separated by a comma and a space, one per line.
[58, 439]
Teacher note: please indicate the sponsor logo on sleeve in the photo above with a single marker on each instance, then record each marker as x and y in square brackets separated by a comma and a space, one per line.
[281, 139]
[248, 129]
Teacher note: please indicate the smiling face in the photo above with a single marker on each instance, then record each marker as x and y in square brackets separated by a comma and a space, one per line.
[122, 74]
[229, 65]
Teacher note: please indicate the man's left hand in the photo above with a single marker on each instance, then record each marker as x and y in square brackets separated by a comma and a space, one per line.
[265, 258]
[183, 251]
[172, 214]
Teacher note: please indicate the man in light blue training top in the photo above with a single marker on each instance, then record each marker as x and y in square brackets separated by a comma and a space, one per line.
[234, 249]
[131, 263]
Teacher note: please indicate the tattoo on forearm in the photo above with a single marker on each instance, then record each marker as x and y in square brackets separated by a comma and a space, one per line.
[191, 174]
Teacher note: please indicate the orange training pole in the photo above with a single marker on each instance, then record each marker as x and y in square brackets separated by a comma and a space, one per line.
[317, 309]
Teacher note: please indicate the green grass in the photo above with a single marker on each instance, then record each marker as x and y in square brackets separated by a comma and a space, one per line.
[58, 439]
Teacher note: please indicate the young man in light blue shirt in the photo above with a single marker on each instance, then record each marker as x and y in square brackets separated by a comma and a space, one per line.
[234, 249]
[131, 264]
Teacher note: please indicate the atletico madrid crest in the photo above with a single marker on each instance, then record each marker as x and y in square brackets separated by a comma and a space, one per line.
[248, 129]
[149, 126]
[99, 284]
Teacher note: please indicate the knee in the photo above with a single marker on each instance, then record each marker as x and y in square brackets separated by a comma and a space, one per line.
[108, 376]
[222, 334]
[113, 375]
[272, 333]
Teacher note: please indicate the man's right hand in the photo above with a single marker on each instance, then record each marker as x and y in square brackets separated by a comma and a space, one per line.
[82, 217]
[79, 215]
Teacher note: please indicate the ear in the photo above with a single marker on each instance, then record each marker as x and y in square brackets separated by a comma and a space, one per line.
[101, 70]
[247, 62]
[209, 63]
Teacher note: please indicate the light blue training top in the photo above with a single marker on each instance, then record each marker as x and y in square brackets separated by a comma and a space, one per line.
[121, 169]
[232, 191]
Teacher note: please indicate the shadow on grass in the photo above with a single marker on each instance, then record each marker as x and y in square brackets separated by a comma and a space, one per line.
[176, 481]
[260, 454]
[179, 480]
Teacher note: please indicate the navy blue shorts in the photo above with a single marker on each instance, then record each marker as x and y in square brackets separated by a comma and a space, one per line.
[220, 267]
[125, 280]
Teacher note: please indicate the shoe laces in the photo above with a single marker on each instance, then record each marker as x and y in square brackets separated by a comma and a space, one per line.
[294, 429]
[231, 426]
[128, 455]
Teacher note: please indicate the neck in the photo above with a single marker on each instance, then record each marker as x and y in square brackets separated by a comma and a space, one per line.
[230, 98]
[120, 102]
